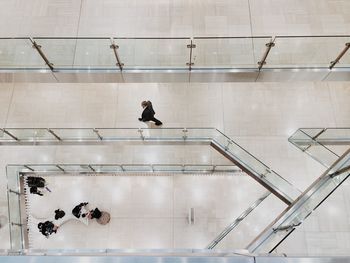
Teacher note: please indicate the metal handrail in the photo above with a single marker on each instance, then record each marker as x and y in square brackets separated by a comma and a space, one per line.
[207, 136]
[237, 221]
[49, 61]
[300, 209]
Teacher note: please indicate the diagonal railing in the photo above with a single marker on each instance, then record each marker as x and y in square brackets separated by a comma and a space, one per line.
[313, 142]
[322, 144]
[237, 221]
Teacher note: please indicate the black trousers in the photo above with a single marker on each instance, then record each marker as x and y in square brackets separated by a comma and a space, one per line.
[156, 121]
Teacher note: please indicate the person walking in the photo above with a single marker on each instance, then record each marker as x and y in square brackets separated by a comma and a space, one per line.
[148, 113]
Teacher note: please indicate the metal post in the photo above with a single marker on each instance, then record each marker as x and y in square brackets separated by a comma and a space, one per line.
[41, 53]
[333, 63]
[92, 169]
[15, 192]
[228, 144]
[141, 134]
[54, 134]
[267, 171]
[269, 45]
[185, 134]
[286, 228]
[9, 134]
[59, 167]
[339, 172]
[97, 133]
[115, 47]
[190, 46]
[31, 169]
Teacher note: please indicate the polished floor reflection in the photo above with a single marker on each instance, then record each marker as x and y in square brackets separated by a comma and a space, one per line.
[148, 211]
[260, 117]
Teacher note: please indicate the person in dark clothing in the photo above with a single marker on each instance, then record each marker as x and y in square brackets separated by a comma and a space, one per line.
[77, 210]
[47, 228]
[96, 213]
[59, 214]
[34, 190]
[148, 113]
[36, 181]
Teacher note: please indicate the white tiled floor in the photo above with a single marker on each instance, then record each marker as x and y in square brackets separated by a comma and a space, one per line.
[147, 211]
[260, 117]
[173, 18]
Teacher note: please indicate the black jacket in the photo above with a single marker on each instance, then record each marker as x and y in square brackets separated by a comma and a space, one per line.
[148, 113]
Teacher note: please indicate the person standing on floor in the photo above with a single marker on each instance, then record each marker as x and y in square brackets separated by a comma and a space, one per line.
[148, 113]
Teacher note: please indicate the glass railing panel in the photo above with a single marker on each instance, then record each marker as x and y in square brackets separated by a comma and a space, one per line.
[107, 168]
[312, 132]
[15, 222]
[94, 53]
[76, 134]
[172, 168]
[32, 134]
[257, 168]
[15, 219]
[59, 51]
[19, 53]
[137, 168]
[335, 134]
[305, 205]
[301, 140]
[224, 53]
[44, 168]
[293, 52]
[163, 134]
[119, 134]
[322, 154]
[5, 137]
[75, 168]
[153, 53]
[308, 140]
[177, 134]
[227, 168]
[199, 168]
[199, 133]
[252, 224]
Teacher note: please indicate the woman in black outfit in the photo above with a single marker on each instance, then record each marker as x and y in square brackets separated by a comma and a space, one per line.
[148, 113]
[47, 228]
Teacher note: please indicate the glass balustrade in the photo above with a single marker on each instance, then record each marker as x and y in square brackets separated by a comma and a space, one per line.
[144, 54]
[262, 211]
[254, 167]
[148, 53]
[307, 51]
[292, 217]
[17, 218]
[323, 144]
[19, 53]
